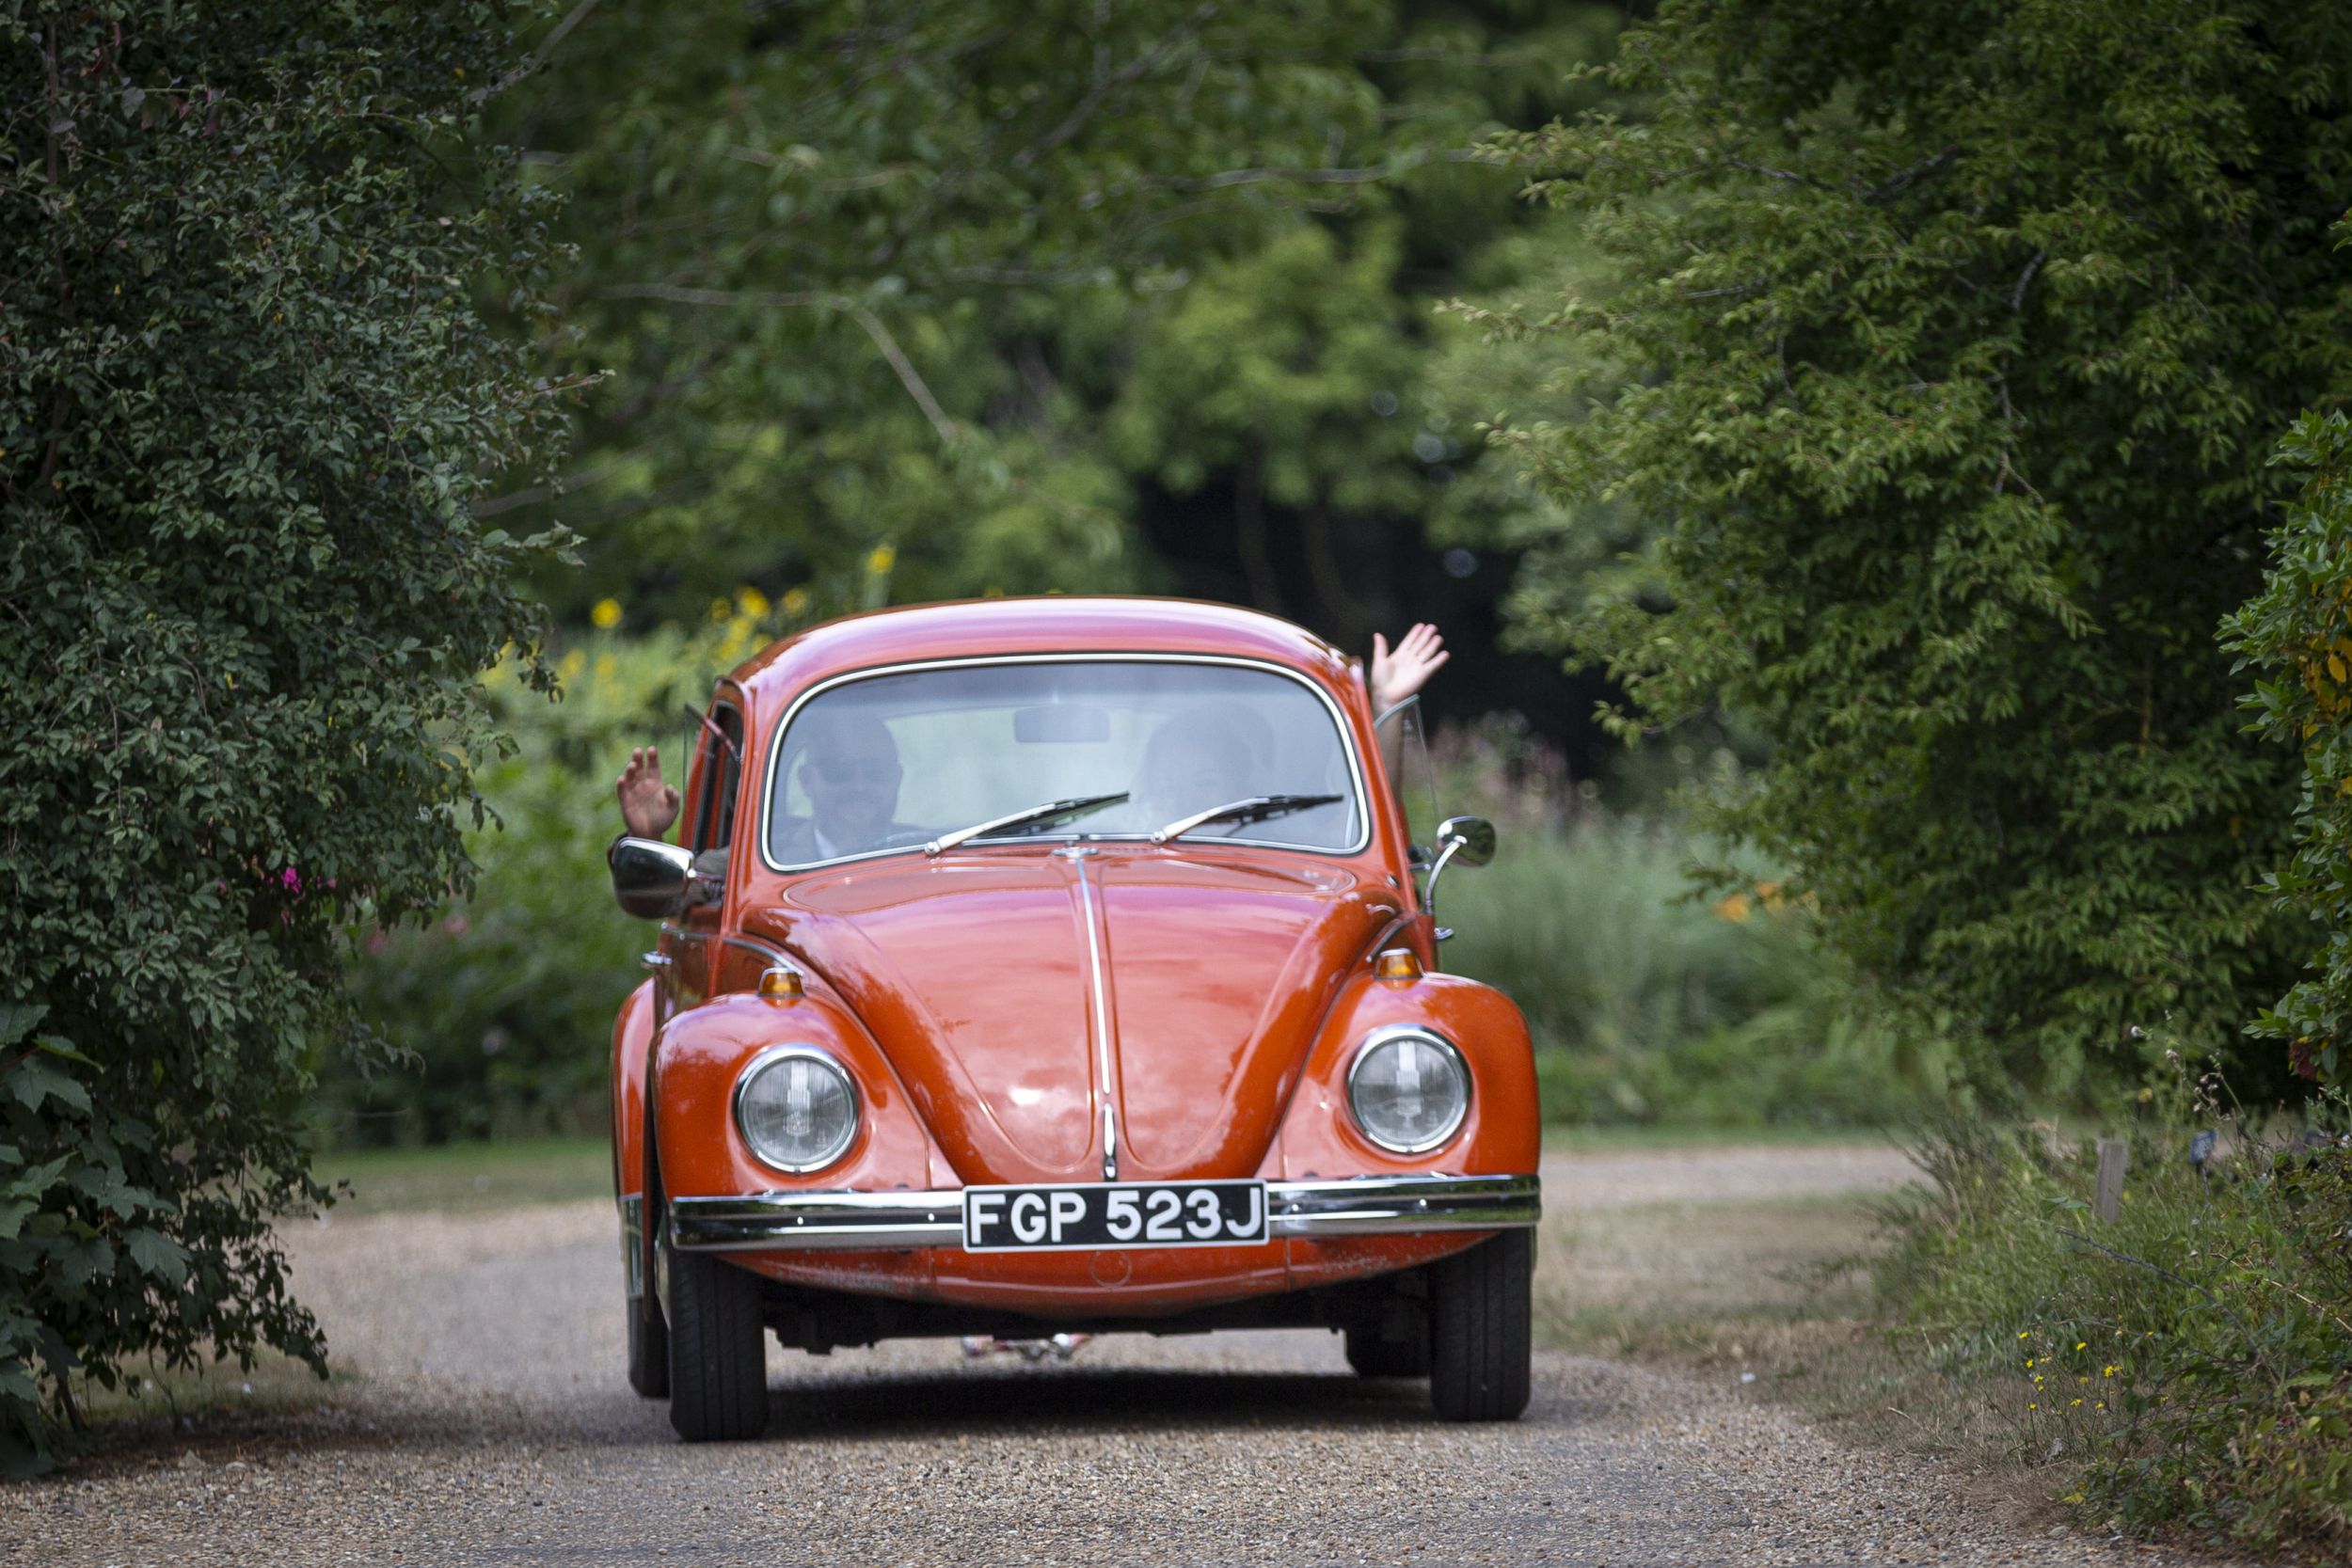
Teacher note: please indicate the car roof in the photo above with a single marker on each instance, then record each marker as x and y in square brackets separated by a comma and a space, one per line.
[971, 628]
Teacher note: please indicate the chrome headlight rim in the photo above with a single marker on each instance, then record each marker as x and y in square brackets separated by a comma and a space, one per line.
[1422, 1032]
[774, 1057]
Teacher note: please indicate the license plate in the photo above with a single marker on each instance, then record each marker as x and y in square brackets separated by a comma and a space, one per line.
[1113, 1215]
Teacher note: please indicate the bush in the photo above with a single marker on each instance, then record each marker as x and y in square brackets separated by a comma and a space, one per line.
[243, 408]
[502, 1010]
[2187, 1364]
[1647, 1001]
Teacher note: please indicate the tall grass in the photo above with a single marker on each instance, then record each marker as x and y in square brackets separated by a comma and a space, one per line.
[2190, 1362]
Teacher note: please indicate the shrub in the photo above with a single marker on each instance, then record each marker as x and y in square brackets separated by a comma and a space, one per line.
[243, 407]
[2186, 1365]
[502, 1008]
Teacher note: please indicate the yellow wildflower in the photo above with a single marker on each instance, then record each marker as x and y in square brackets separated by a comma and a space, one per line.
[795, 600]
[751, 601]
[722, 609]
[607, 614]
[881, 559]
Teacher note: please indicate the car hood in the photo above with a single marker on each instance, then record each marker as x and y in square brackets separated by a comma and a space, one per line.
[980, 976]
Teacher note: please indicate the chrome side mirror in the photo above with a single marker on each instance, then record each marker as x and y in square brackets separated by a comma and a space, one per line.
[1470, 840]
[649, 878]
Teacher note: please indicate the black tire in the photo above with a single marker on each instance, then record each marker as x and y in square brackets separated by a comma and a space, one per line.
[718, 1350]
[1372, 1357]
[648, 1349]
[1479, 1330]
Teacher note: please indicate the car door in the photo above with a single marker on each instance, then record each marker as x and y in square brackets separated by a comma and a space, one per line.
[690, 941]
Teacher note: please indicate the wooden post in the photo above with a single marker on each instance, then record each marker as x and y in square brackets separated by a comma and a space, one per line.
[2114, 1158]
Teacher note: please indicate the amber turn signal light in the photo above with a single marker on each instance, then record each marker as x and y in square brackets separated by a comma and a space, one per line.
[780, 984]
[1396, 965]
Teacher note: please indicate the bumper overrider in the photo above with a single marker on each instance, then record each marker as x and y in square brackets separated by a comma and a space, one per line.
[1356, 1206]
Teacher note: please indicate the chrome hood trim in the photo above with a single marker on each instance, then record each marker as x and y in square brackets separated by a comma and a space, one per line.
[1351, 1206]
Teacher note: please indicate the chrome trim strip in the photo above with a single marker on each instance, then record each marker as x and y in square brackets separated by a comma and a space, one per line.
[1362, 798]
[1394, 1204]
[817, 1220]
[1356, 1206]
[1099, 972]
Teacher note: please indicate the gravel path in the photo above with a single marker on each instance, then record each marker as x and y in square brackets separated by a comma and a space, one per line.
[492, 1426]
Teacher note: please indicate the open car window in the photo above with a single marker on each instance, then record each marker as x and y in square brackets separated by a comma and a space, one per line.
[889, 760]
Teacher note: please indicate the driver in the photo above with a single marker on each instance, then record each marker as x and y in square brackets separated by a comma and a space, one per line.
[850, 774]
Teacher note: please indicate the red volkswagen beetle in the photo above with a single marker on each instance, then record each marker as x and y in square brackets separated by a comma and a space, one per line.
[1041, 966]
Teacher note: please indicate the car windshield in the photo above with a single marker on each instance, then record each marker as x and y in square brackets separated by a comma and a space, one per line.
[894, 761]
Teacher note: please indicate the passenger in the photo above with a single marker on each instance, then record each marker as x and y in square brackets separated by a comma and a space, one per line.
[1191, 763]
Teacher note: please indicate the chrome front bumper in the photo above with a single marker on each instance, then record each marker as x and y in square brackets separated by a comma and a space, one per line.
[1356, 1206]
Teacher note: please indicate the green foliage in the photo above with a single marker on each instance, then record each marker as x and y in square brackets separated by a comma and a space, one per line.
[2296, 635]
[502, 1007]
[1946, 359]
[2186, 1365]
[1647, 1005]
[243, 407]
[906, 273]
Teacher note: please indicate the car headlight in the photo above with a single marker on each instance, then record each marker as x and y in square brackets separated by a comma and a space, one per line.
[1408, 1090]
[796, 1108]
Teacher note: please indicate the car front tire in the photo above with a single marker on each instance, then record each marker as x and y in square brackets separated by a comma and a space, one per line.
[1480, 1329]
[718, 1350]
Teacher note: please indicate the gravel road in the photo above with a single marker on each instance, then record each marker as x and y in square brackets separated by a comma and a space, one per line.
[490, 1424]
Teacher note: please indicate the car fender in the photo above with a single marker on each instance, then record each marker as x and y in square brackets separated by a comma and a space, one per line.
[1501, 1134]
[702, 1052]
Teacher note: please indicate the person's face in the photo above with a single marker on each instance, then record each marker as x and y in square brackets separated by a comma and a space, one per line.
[852, 782]
[1201, 782]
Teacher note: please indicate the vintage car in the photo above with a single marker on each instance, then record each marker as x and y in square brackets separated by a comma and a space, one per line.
[1059, 965]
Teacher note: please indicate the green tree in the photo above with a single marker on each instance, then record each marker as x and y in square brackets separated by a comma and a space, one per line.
[1948, 347]
[245, 401]
[876, 273]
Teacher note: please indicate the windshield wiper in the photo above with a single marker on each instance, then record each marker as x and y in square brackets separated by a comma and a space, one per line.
[1046, 813]
[1255, 808]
